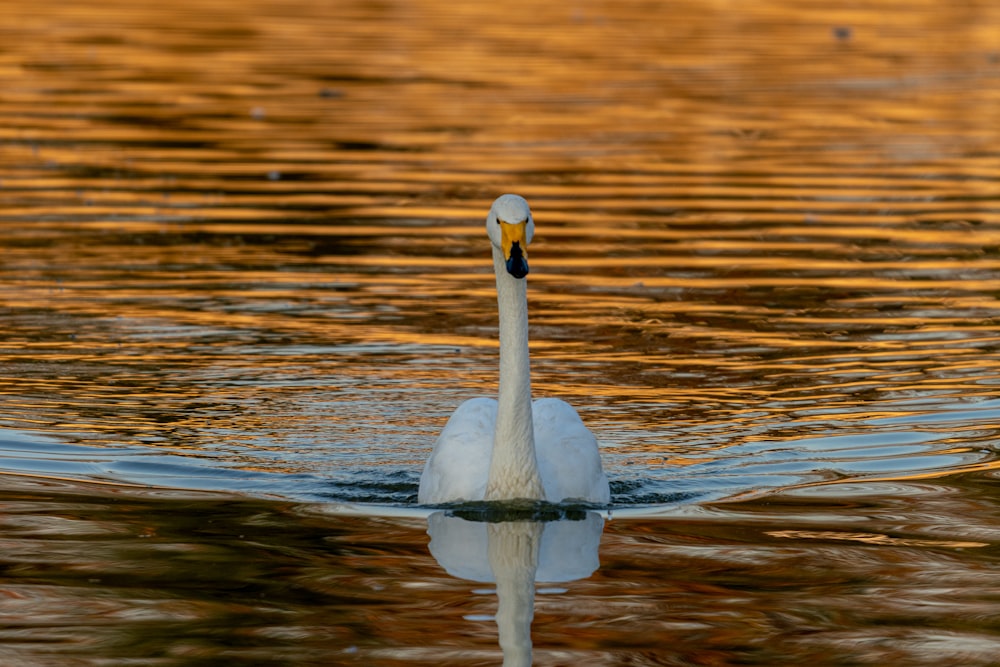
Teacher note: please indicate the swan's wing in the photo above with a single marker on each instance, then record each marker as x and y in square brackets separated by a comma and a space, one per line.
[568, 457]
[460, 463]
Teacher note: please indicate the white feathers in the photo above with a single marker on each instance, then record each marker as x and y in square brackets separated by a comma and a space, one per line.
[565, 450]
[568, 458]
[513, 448]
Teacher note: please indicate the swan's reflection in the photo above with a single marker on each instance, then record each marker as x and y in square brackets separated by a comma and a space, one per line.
[515, 554]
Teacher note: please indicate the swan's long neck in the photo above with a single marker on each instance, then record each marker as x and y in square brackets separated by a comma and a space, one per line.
[514, 468]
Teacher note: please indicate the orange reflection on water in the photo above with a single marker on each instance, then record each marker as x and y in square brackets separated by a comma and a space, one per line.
[741, 213]
[248, 237]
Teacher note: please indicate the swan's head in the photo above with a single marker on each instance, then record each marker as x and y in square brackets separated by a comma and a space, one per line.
[510, 227]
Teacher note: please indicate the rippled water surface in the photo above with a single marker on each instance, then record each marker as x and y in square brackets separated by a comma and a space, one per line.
[244, 281]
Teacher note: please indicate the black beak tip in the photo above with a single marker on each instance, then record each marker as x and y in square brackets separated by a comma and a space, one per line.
[518, 269]
[517, 263]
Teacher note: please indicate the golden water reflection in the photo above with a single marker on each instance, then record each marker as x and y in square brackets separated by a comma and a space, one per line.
[241, 250]
[754, 226]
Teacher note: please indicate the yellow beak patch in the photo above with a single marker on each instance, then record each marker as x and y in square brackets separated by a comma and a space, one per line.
[513, 241]
[511, 234]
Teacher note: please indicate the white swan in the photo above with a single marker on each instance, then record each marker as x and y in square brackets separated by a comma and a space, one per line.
[512, 448]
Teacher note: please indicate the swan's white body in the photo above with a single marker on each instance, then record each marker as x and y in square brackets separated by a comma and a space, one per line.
[513, 448]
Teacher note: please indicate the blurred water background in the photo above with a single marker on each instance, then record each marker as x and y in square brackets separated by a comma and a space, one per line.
[244, 281]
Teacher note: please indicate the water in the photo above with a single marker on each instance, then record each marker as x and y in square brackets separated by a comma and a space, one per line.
[244, 283]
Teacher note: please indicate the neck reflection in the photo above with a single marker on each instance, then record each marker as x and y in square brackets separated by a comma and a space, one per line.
[515, 554]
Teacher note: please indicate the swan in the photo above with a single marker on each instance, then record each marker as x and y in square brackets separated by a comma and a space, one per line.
[512, 448]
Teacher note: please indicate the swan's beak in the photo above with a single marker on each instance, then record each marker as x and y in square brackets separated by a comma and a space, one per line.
[514, 248]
